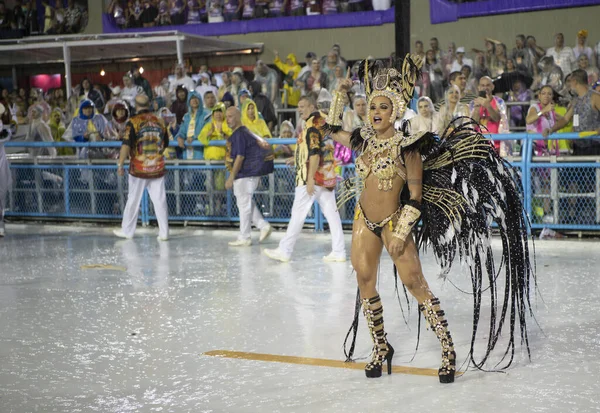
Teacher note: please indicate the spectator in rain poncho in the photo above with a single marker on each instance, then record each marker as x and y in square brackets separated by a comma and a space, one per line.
[216, 129]
[427, 118]
[252, 120]
[57, 128]
[117, 125]
[192, 125]
[5, 175]
[228, 100]
[37, 99]
[170, 121]
[39, 131]
[87, 126]
[115, 96]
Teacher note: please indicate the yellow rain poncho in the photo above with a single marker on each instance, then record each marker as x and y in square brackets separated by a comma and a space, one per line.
[257, 126]
[212, 132]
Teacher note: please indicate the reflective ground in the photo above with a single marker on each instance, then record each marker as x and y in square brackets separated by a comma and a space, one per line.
[90, 323]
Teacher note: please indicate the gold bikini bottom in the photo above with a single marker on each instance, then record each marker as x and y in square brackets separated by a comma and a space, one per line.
[376, 227]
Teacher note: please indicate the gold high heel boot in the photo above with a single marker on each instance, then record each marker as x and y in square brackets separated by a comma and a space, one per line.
[382, 350]
[436, 319]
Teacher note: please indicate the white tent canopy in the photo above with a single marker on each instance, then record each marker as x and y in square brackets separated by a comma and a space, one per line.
[109, 47]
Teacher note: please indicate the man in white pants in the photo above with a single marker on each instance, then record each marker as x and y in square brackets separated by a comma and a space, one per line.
[315, 181]
[144, 142]
[5, 175]
[252, 158]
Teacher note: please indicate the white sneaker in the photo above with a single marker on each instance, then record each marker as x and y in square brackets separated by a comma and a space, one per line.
[1, 232]
[162, 238]
[276, 255]
[334, 258]
[265, 233]
[119, 233]
[240, 243]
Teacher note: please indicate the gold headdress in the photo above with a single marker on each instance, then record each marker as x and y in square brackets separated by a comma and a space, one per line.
[397, 86]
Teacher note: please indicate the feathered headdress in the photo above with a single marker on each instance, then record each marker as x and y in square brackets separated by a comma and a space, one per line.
[397, 85]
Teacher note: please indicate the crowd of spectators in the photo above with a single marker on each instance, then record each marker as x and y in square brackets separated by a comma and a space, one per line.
[150, 13]
[42, 17]
[456, 82]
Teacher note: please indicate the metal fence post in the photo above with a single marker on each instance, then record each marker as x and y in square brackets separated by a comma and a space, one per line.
[66, 184]
[526, 157]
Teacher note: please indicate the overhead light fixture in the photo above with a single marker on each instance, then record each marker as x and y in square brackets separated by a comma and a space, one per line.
[141, 70]
[102, 72]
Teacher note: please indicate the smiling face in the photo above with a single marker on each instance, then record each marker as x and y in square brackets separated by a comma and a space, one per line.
[194, 103]
[583, 61]
[218, 116]
[453, 94]
[380, 114]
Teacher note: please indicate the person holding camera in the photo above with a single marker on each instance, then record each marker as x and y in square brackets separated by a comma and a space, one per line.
[489, 110]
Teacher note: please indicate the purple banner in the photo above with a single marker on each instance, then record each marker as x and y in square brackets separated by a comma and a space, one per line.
[443, 11]
[275, 24]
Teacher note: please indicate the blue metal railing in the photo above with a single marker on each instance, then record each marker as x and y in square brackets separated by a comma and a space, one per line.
[71, 188]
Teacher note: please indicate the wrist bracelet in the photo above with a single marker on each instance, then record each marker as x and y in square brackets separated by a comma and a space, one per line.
[336, 110]
[539, 114]
[409, 216]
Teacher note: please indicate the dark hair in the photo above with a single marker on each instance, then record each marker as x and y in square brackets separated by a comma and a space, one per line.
[468, 67]
[453, 76]
[310, 55]
[209, 91]
[434, 38]
[521, 36]
[419, 42]
[580, 76]
[530, 37]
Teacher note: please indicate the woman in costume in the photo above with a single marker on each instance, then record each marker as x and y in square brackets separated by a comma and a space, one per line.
[458, 185]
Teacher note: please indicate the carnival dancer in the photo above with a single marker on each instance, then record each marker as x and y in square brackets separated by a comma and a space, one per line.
[144, 142]
[458, 185]
[315, 180]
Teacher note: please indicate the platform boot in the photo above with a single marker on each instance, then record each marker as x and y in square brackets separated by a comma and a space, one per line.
[382, 350]
[435, 318]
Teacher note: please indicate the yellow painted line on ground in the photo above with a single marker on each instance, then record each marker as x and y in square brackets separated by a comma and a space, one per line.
[316, 362]
[103, 267]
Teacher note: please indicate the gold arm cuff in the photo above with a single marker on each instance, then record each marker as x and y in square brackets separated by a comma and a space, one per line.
[409, 216]
[336, 110]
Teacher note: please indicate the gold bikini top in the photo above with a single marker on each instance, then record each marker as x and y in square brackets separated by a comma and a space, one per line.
[382, 157]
